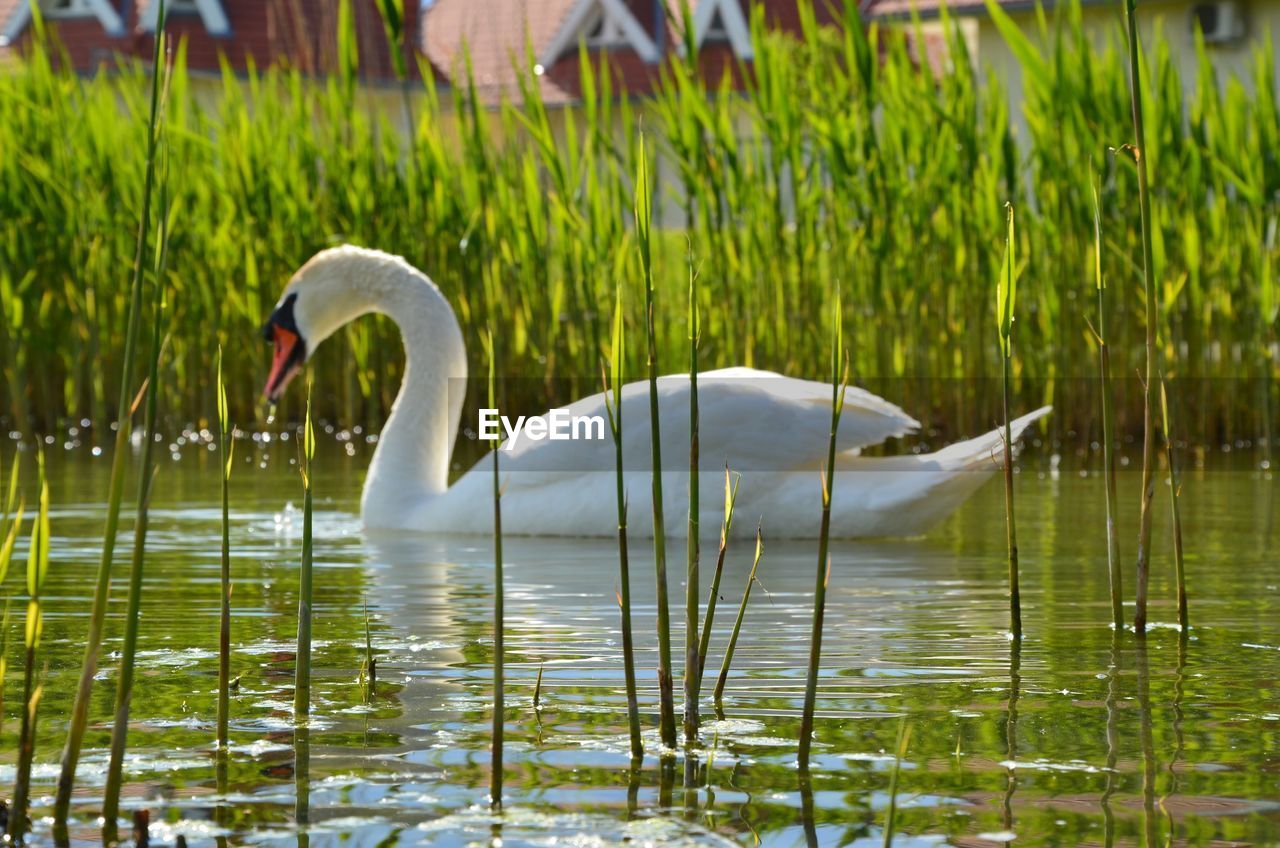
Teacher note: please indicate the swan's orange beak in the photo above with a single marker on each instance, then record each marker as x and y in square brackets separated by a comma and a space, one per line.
[286, 362]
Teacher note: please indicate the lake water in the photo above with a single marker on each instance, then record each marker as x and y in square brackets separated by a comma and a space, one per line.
[1071, 738]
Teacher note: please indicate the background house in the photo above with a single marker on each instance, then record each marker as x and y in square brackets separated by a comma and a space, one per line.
[262, 32]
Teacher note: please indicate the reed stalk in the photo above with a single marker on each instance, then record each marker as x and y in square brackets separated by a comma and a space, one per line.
[1142, 566]
[692, 661]
[115, 488]
[643, 215]
[1175, 486]
[899, 751]
[737, 622]
[839, 382]
[1108, 426]
[499, 707]
[730, 497]
[4, 657]
[8, 538]
[226, 452]
[1006, 290]
[146, 483]
[302, 668]
[37, 570]
[613, 406]
[369, 671]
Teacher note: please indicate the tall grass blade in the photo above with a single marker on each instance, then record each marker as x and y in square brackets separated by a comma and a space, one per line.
[899, 751]
[730, 497]
[1006, 291]
[613, 406]
[226, 452]
[115, 488]
[302, 668]
[146, 482]
[644, 214]
[1108, 426]
[1152, 316]
[499, 705]
[839, 382]
[692, 660]
[1175, 487]
[37, 570]
[737, 622]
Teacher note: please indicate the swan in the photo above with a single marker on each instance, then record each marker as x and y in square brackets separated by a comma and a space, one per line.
[771, 429]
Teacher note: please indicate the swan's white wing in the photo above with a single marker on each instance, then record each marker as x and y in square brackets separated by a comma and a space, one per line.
[753, 420]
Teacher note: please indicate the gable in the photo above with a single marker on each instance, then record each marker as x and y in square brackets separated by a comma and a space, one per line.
[603, 24]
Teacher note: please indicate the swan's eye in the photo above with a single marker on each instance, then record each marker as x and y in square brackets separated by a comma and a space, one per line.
[282, 317]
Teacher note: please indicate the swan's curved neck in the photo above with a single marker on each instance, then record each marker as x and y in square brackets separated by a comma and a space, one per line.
[411, 462]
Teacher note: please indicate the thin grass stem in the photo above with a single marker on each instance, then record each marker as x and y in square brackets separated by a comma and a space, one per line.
[302, 667]
[499, 707]
[613, 405]
[666, 700]
[102, 583]
[737, 623]
[692, 661]
[1142, 567]
[839, 383]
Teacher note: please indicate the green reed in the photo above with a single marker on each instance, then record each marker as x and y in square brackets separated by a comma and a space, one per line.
[499, 618]
[1108, 428]
[226, 453]
[613, 383]
[775, 176]
[644, 216]
[899, 751]
[1179, 566]
[302, 667]
[692, 661]
[1140, 152]
[146, 482]
[1006, 293]
[10, 523]
[730, 498]
[124, 416]
[839, 382]
[737, 622]
[37, 570]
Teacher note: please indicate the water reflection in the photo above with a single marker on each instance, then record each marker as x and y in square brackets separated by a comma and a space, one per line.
[913, 627]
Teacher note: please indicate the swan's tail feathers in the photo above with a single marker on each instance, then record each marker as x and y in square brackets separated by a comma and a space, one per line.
[987, 451]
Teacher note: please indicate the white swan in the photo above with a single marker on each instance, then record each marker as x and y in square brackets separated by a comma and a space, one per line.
[772, 429]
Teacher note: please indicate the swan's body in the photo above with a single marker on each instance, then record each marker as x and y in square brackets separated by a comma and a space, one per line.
[771, 429]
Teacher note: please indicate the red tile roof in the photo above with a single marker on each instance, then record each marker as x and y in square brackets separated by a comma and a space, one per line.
[497, 34]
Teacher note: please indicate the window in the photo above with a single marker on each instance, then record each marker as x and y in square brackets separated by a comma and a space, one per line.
[604, 33]
[716, 32]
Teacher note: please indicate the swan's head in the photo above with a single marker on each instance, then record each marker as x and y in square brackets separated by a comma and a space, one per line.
[324, 294]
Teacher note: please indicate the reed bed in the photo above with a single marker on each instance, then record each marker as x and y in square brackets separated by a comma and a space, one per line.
[791, 187]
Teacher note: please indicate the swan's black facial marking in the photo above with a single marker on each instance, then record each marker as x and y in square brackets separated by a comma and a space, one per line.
[282, 317]
[281, 329]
